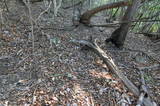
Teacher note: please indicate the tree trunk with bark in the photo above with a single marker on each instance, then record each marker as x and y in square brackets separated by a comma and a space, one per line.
[119, 35]
[85, 17]
[76, 13]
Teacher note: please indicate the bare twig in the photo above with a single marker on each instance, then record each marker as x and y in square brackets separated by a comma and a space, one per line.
[144, 92]
[6, 5]
[1, 15]
[44, 11]
[56, 7]
[140, 100]
[27, 3]
[104, 25]
[152, 67]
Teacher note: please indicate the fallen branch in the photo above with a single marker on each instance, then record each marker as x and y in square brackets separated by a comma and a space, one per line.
[140, 100]
[117, 23]
[144, 92]
[5, 3]
[112, 66]
[152, 67]
[104, 25]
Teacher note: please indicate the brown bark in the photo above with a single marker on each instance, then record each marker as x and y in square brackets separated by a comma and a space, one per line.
[85, 18]
[119, 35]
[77, 14]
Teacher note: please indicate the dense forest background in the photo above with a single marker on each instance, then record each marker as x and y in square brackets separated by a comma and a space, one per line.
[79, 52]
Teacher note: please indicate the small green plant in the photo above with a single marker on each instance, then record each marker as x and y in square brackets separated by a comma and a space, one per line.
[55, 41]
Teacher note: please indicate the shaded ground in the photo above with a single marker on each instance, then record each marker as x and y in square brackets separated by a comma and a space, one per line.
[60, 73]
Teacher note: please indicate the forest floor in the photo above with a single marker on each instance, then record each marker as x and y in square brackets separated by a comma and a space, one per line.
[61, 73]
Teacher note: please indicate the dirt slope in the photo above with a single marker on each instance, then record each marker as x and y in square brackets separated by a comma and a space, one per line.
[59, 72]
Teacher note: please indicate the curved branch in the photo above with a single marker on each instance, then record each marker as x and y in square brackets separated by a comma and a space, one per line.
[85, 18]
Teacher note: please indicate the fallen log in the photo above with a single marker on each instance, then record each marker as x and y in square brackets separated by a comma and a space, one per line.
[104, 25]
[112, 66]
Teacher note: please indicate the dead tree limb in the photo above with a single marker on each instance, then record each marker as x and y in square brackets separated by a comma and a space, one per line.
[143, 92]
[116, 24]
[104, 25]
[112, 66]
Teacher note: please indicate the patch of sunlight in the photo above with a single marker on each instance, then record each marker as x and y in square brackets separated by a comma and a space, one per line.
[83, 98]
[97, 74]
[113, 82]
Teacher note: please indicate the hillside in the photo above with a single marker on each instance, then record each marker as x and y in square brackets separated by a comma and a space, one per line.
[60, 72]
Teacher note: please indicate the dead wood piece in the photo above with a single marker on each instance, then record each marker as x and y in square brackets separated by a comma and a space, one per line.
[65, 28]
[144, 92]
[149, 54]
[112, 66]
[152, 36]
[152, 67]
[104, 25]
[140, 100]
[143, 86]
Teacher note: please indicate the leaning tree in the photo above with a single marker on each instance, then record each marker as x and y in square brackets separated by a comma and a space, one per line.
[119, 35]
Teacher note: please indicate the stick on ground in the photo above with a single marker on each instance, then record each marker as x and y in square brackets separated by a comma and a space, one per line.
[112, 66]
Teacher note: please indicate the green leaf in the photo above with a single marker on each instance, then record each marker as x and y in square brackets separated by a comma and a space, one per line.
[55, 40]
